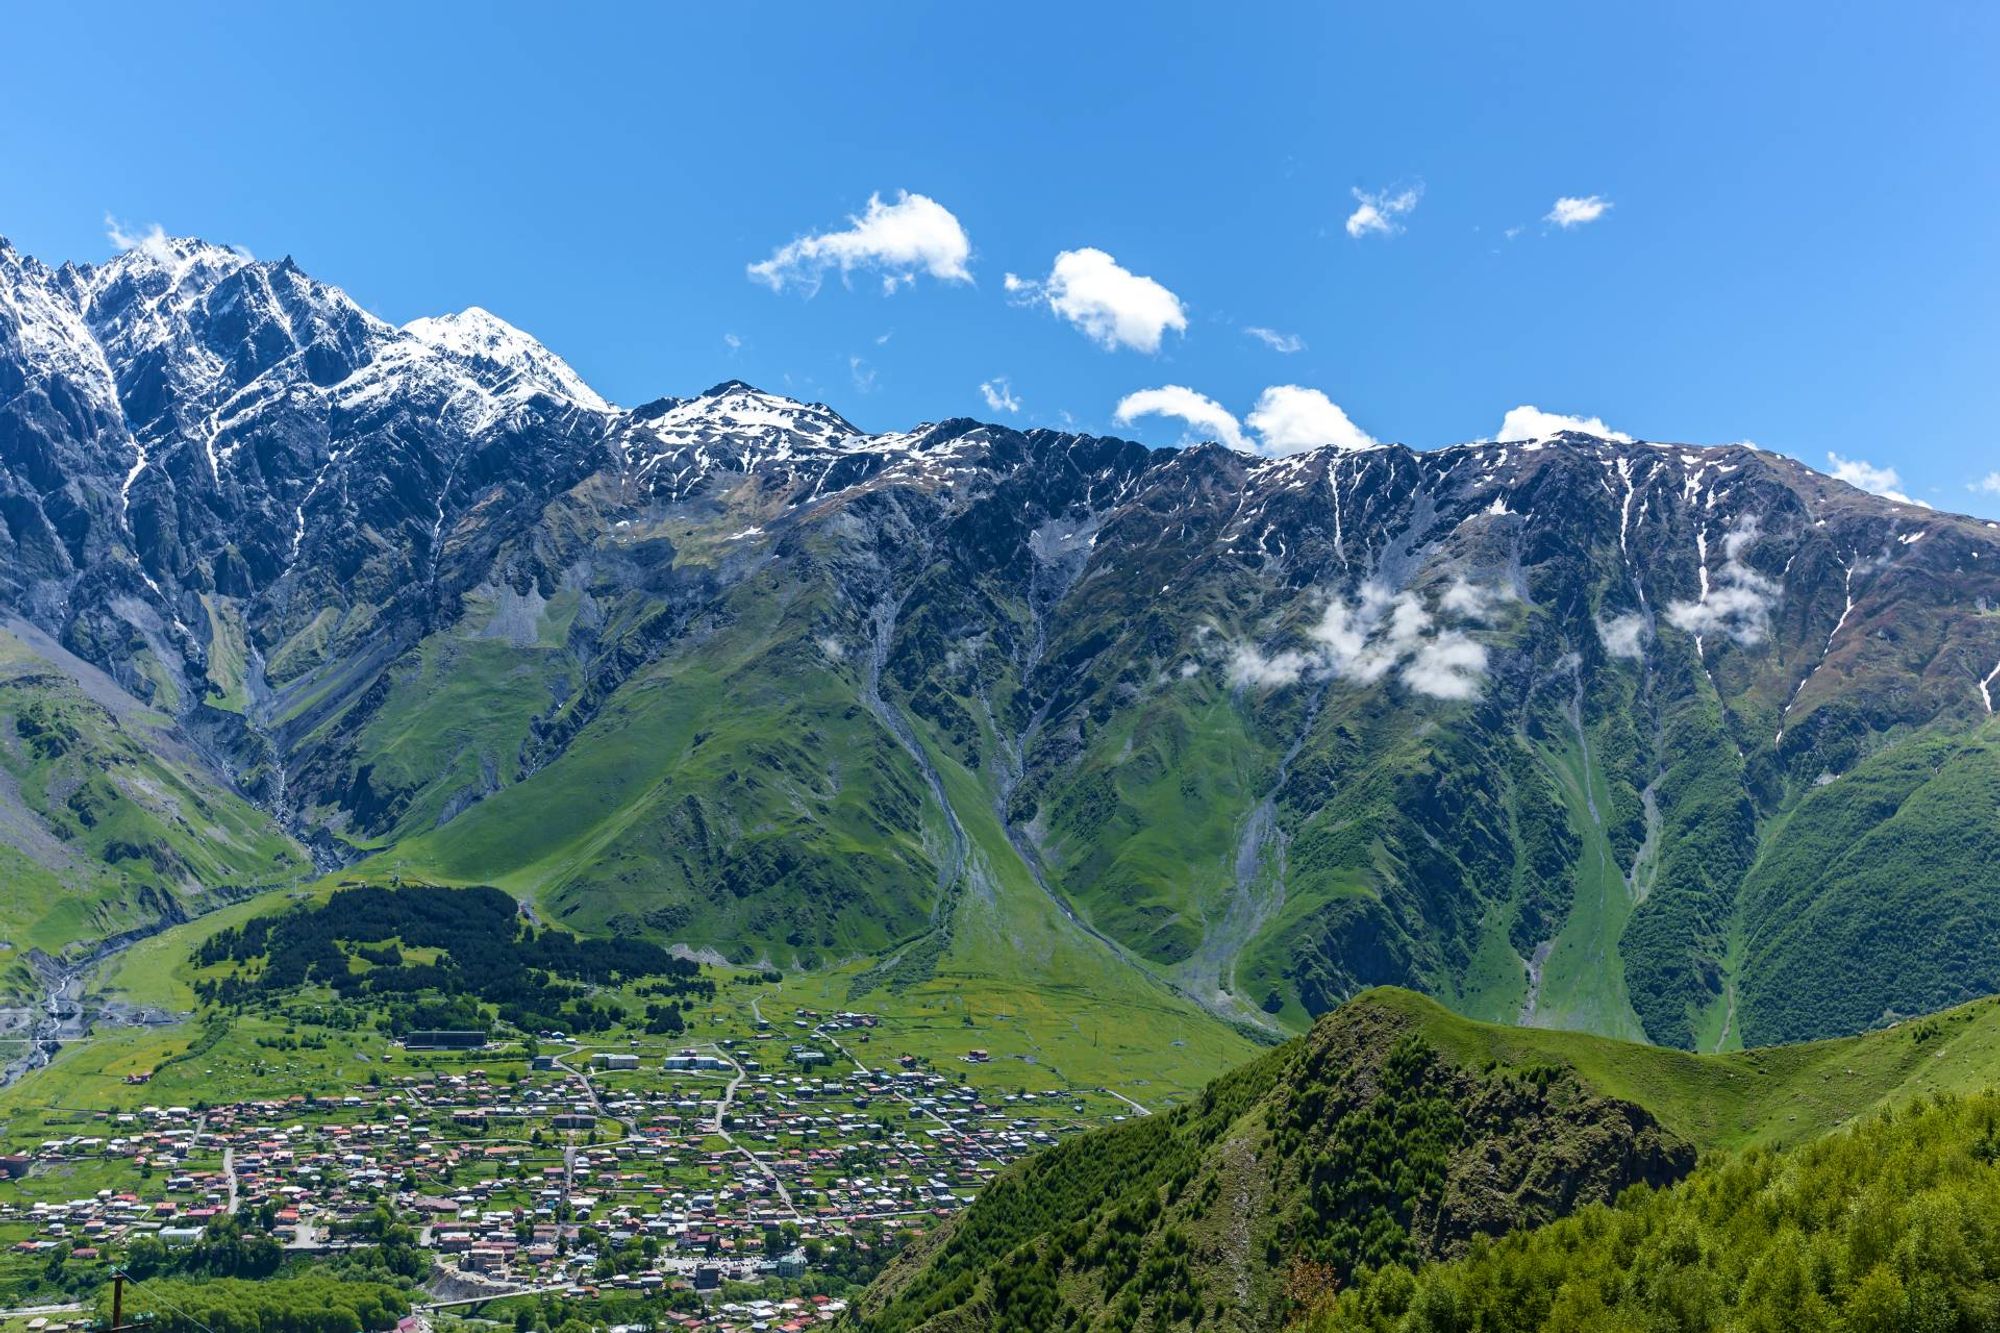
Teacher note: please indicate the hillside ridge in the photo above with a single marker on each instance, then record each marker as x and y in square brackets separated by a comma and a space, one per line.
[1387, 1138]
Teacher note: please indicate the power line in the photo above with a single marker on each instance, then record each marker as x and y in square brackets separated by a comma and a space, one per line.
[118, 1279]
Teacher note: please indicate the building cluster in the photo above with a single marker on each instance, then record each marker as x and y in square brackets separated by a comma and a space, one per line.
[693, 1169]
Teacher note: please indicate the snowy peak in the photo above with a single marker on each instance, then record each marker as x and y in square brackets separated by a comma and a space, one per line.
[159, 264]
[734, 407]
[215, 317]
[673, 445]
[41, 329]
[205, 341]
[172, 284]
[737, 418]
[505, 359]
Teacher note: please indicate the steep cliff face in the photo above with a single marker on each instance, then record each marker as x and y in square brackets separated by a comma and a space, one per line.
[1582, 732]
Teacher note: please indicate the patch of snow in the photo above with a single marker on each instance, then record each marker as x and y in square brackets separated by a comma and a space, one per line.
[482, 339]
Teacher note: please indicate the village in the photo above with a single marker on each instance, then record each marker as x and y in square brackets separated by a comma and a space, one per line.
[745, 1172]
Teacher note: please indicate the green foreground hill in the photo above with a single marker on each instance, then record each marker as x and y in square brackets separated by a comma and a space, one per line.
[1393, 1136]
[1888, 1227]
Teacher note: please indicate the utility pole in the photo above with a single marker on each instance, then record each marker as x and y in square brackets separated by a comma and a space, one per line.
[118, 1324]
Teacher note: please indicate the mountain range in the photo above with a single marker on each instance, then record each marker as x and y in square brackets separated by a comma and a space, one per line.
[1680, 743]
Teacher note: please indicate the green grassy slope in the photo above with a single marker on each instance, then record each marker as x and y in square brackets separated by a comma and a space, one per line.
[1268, 1183]
[1770, 1095]
[107, 821]
[457, 714]
[1582, 982]
[1144, 835]
[739, 793]
[1893, 862]
[1011, 944]
[734, 794]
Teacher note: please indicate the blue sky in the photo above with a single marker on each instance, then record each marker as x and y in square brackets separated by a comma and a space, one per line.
[1797, 245]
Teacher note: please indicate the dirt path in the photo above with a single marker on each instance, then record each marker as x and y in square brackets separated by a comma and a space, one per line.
[1728, 1020]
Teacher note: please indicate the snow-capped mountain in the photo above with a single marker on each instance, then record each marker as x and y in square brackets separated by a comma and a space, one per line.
[509, 365]
[1561, 729]
[247, 412]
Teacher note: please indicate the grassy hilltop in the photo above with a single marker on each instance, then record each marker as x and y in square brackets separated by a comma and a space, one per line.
[1394, 1135]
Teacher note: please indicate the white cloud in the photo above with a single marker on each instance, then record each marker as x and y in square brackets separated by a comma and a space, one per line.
[1990, 483]
[1249, 667]
[1290, 418]
[1378, 214]
[1112, 306]
[732, 342]
[1573, 211]
[1531, 423]
[1447, 666]
[1623, 636]
[1286, 419]
[1378, 633]
[1198, 410]
[1286, 343]
[1737, 601]
[861, 373]
[835, 650]
[1382, 631]
[1883, 481]
[916, 233]
[1472, 601]
[999, 395]
[152, 242]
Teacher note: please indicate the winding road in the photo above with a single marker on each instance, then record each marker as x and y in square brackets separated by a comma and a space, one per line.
[715, 1127]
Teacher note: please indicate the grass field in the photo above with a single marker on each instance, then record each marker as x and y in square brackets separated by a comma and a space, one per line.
[1496, 984]
[107, 811]
[1773, 1095]
[1583, 979]
[1018, 981]
[1007, 995]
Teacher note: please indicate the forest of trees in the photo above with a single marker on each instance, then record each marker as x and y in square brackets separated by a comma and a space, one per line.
[486, 954]
[1892, 1226]
[310, 1304]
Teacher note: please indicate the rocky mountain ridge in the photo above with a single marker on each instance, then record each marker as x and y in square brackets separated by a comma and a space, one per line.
[1574, 731]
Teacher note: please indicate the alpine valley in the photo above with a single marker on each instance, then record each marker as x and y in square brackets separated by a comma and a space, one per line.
[1687, 745]
[1544, 883]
